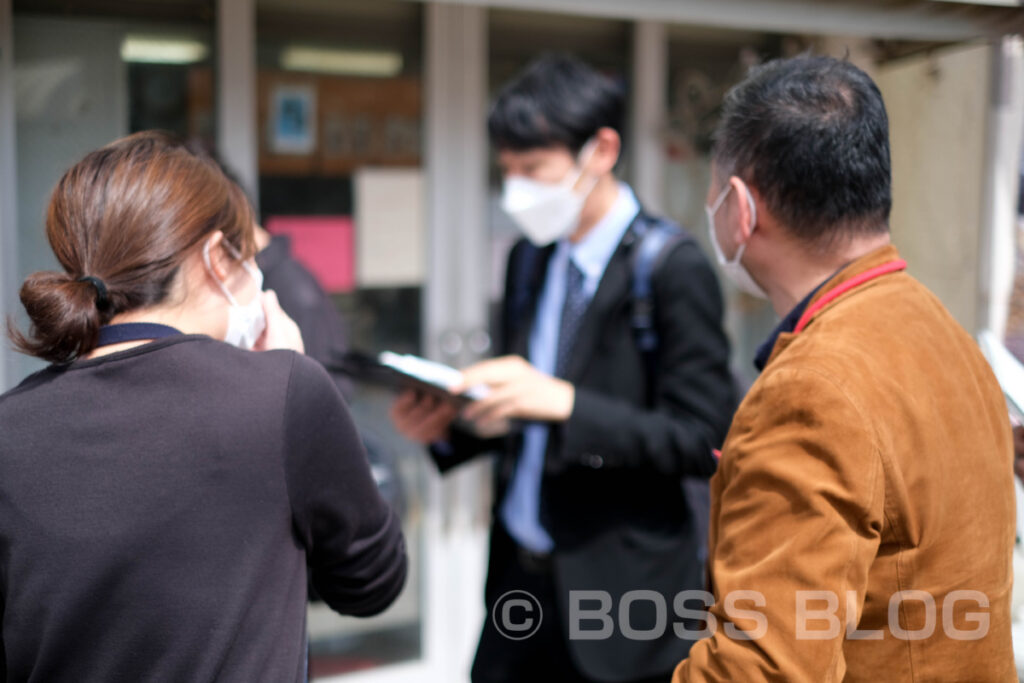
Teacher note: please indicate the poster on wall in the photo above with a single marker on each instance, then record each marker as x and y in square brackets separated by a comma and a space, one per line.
[324, 244]
[355, 122]
[293, 119]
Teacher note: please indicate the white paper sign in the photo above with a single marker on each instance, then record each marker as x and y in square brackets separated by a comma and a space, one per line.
[389, 227]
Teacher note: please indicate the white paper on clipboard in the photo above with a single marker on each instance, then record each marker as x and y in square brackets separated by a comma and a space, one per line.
[438, 374]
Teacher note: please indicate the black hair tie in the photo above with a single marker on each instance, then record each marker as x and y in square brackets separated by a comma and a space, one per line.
[102, 299]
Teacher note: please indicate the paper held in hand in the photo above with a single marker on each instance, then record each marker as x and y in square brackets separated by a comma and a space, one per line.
[438, 374]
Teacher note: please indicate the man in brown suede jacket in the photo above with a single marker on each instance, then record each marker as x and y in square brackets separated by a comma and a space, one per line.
[863, 511]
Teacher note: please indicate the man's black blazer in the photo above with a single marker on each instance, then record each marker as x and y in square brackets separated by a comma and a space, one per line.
[611, 494]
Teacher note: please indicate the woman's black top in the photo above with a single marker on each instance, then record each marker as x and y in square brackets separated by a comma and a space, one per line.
[159, 508]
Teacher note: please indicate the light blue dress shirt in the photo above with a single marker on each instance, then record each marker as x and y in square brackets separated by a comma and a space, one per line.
[520, 510]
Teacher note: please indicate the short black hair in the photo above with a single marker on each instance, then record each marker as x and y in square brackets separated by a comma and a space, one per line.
[811, 134]
[557, 100]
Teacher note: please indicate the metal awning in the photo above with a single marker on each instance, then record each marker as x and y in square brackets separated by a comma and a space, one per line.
[925, 20]
[930, 20]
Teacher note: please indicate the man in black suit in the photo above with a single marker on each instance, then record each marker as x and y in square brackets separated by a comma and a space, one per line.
[602, 422]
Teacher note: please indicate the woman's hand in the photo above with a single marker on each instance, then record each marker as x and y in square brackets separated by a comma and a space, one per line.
[281, 331]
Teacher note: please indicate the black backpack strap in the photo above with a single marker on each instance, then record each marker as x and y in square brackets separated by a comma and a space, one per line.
[655, 239]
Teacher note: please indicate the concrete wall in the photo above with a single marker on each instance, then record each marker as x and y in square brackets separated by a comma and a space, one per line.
[71, 97]
[938, 106]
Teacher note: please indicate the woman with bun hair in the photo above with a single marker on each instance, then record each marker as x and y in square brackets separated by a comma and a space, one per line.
[164, 489]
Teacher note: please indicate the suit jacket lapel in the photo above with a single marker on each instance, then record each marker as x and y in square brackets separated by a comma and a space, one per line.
[521, 328]
[614, 287]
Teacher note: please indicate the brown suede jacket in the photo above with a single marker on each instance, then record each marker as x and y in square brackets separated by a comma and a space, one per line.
[864, 502]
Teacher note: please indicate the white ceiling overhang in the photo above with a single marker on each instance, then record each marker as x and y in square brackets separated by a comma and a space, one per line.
[888, 19]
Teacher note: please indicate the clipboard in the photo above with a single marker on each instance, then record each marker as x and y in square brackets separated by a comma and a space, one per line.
[401, 372]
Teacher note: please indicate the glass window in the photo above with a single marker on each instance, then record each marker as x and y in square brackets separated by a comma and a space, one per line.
[85, 75]
[1014, 339]
[340, 101]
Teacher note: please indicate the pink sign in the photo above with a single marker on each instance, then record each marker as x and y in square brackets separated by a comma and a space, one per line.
[324, 244]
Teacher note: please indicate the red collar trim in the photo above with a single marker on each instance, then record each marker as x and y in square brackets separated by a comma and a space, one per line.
[833, 294]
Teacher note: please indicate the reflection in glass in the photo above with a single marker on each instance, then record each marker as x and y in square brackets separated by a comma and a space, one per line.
[339, 118]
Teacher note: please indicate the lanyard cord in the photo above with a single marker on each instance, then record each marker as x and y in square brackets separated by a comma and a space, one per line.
[833, 294]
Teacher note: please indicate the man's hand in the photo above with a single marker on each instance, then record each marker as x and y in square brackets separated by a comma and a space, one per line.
[421, 418]
[518, 391]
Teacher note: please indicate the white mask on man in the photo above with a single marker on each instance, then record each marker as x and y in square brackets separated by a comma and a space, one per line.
[245, 323]
[734, 269]
[547, 212]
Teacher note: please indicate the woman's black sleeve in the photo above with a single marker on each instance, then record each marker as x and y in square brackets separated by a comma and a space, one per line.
[354, 544]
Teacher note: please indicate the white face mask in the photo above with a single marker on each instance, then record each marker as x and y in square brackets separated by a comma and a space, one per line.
[547, 212]
[734, 269]
[245, 323]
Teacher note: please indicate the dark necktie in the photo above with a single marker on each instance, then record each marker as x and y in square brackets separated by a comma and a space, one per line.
[572, 314]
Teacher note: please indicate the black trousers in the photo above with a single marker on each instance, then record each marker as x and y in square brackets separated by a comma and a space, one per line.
[544, 656]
